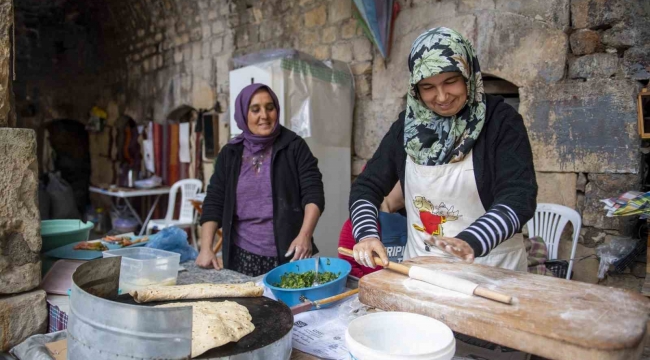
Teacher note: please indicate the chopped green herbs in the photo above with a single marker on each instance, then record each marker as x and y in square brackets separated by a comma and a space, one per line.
[292, 280]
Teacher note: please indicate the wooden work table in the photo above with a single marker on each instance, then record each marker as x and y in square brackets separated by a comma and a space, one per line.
[550, 317]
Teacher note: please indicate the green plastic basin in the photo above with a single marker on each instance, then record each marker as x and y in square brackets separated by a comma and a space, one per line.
[57, 233]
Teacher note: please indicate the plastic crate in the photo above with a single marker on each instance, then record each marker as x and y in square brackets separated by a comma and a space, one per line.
[630, 259]
[559, 268]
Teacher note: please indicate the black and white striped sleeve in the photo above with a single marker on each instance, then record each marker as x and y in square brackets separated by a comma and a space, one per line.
[500, 223]
[364, 217]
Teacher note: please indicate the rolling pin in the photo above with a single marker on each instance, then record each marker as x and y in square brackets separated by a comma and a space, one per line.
[442, 280]
[308, 304]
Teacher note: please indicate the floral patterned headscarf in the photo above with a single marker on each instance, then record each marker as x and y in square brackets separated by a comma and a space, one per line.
[431, 139]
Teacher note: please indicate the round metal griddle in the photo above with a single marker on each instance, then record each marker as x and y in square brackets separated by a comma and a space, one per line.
[272, 319]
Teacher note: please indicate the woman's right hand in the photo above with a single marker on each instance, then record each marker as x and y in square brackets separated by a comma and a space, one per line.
[206, 259]
[363, 252]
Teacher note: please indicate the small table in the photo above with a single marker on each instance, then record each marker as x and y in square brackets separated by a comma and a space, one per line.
[126, 193]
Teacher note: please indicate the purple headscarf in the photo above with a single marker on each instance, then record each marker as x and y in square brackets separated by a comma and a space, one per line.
[254, 143]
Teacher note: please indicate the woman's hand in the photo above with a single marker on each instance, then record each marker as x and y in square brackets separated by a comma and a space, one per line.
[457, 247]
[363, 252]
[300, 248]
[207, 260]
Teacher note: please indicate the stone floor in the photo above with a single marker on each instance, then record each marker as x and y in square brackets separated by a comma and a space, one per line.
[624, 281]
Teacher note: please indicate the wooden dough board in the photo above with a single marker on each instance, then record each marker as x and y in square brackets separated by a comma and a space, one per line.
[550, 317]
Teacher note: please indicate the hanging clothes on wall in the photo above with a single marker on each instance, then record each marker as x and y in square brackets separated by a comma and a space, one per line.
[129, 151]
[165, 154]
[148, 149]
[174, 147]
[157, 147]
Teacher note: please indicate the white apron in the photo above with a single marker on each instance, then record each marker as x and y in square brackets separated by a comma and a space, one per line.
[443, 200]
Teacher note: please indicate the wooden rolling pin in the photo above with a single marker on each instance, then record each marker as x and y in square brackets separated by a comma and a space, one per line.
[308, 304]
[442, 280]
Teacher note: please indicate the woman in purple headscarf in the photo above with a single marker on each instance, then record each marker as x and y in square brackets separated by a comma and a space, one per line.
[266, 192]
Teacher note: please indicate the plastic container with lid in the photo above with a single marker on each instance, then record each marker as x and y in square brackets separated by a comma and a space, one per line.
[399, 335]
[142, 267]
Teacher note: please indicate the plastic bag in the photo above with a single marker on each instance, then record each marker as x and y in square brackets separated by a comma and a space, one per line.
[62, 200]
[149, 183]
[33, 347]
[350, 310]
[617, 249]
[175, 240]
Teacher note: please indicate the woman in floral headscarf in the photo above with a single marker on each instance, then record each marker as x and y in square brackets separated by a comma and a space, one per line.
[463, 158]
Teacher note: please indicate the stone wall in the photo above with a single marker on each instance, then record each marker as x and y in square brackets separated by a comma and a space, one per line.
[577, 64]
[23, 311]
[6, 116]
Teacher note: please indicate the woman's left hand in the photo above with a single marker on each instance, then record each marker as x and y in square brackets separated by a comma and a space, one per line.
[457, 247]
[300, 248]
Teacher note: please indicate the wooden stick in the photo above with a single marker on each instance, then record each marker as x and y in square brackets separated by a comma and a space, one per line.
[492, 295]
[335, 298]
[403, 269]
[217, 246]
[400, 268]
[308, 304]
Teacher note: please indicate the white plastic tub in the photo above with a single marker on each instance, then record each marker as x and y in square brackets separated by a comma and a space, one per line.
[399, 335]
[142, 267]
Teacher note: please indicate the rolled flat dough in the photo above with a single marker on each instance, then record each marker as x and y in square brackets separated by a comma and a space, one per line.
[216, 323]
[196, 291]
[442, 280]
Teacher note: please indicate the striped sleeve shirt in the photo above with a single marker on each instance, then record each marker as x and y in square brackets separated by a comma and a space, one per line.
[497, 225]
[500, 223]
[364, 217]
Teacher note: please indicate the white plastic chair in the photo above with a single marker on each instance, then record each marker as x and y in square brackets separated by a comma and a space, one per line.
[549, 222]
[189, 188]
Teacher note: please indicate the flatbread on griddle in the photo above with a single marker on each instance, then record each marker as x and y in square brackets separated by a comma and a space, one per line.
[196, 291]
[216, 323]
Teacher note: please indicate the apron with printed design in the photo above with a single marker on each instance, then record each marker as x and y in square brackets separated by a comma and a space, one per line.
[443, 200]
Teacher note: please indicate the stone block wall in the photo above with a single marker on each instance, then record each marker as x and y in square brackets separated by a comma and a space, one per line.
[20, 266]
[23, 310]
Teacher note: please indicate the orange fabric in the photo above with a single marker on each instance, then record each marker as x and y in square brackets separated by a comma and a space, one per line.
[174, 148]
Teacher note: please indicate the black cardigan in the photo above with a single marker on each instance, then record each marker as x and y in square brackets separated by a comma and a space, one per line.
[295, 182]
[503, 168]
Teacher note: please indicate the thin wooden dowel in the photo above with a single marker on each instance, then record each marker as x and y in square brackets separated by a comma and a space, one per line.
[336, 298]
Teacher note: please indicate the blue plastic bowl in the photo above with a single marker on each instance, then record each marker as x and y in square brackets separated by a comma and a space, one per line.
[292, 297]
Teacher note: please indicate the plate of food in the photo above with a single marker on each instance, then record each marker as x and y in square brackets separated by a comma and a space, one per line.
[89, 250]
[122, 241]
[81, 250]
